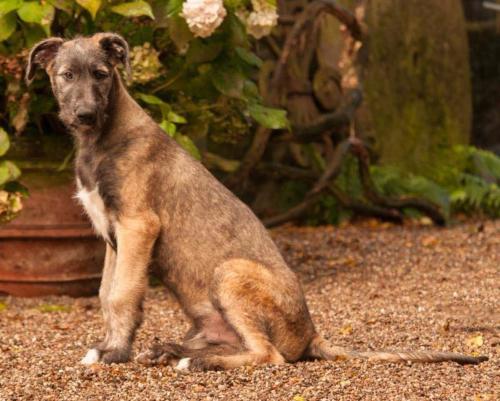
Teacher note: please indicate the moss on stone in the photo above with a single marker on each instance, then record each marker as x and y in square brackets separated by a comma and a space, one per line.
[417, 80]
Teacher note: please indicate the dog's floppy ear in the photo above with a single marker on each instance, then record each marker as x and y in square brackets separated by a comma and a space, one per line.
[41, 55]
[116, 48]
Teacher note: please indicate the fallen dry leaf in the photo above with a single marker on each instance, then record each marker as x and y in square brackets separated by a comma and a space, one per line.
[429, 241]
[346, 330]
[475, 341]
[484, 397]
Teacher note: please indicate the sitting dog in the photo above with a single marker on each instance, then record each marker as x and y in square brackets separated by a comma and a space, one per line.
[158, 208]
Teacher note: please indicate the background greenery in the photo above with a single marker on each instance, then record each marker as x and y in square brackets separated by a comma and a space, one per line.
[208, 95]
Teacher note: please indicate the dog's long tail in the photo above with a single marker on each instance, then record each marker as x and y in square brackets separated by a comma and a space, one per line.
[320, 348]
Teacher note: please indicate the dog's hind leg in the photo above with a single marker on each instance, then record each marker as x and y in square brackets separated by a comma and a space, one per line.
[241, 293]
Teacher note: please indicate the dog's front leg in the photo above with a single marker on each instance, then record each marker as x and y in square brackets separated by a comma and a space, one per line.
[107, 278]
[124, 288]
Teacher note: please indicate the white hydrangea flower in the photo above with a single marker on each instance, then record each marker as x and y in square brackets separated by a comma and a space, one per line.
[262, 19]
[203, 16]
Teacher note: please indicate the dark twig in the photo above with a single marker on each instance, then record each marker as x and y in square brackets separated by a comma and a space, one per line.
[309, 14]
[423, 205]
[333, 167]
[292, 213]
[279, 170]
[364, 208]
[332, 122]
[251, 158]
[331, 171]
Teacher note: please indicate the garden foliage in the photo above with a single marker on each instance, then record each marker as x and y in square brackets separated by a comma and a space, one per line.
[195, 69]
[192, 62]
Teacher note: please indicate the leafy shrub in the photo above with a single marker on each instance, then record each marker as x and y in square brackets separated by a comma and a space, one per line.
[198, 81]
[10, 191]
[466, 181]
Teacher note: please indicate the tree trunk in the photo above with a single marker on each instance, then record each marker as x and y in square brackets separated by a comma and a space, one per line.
[417, 80]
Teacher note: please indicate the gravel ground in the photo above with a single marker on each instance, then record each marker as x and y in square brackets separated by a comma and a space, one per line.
[369, 286]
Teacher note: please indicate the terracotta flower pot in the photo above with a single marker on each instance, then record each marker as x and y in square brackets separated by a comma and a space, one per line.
[50, 248]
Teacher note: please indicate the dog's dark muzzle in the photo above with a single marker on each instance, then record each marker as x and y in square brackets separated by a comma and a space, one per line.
[86, 116]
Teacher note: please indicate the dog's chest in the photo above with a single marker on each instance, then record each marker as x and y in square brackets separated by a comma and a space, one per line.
[95, 209]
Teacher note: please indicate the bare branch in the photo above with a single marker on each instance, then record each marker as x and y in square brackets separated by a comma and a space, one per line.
[423, 205]
[310, 13]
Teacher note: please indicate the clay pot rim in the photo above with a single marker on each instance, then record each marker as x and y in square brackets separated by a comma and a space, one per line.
[44, 280]
[28, 231]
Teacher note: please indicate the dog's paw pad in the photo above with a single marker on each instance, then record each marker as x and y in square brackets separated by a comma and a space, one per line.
[183, 364]
[91, 357]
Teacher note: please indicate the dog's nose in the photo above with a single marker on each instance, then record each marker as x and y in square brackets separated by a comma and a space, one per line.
[86, 116]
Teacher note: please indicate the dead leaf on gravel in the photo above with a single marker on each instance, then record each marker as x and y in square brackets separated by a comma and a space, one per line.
[484, 397]
[3, 306]
[49, 308]
[430, 241]
[346, 330]
[345, 383]
[445, 327]
[476, 341]
[61, 327]
[298, 398]
[425, 221]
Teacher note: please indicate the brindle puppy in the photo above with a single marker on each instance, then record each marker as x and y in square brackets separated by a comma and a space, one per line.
[157, 207]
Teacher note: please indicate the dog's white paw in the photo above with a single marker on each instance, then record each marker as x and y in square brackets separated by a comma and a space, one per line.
[91, 357]
[183, 364]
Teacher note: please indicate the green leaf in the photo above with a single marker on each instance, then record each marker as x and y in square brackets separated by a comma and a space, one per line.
[176, 118]
[251, 91]
[165, 109]
[92, 6]
[179, 32]
[248, 57]
[174, 7]
[203, 51]
[4, 142]
[32, 34]
[150, 99]
[37, 13]
[7, 26]
[8, 172]
[268, 117]
[15, 186]
[7, 6]
[188, 145]
[228, 80]
[168, 127]
[237, 33]
[64, 5]
[134, 9]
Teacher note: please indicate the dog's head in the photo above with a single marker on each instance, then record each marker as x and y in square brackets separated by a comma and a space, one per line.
[82, 74]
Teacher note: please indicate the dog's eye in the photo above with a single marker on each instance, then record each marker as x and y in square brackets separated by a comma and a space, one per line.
[68, 75]
[100, 74]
